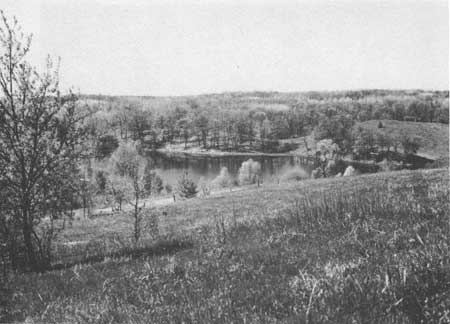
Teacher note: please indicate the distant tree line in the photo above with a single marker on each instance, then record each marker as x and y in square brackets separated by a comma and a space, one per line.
[237, 125]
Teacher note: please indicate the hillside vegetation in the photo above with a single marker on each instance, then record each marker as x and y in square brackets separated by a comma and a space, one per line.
[364, 249]
[254, 121]
[433, 136]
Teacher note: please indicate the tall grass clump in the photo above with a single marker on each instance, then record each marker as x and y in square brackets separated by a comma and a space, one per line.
[388, 252]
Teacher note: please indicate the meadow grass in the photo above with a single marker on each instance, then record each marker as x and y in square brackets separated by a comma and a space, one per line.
[433, 136]
[366, 249]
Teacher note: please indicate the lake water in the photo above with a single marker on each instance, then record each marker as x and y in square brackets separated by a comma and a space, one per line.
[172, 167]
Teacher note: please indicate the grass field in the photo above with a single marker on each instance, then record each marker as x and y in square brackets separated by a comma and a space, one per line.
[366, 249]
[433, 136]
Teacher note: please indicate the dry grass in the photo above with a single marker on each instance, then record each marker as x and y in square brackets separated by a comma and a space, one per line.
[365, 249]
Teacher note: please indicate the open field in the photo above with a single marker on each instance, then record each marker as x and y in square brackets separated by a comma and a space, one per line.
[433, 136]
[365, 249]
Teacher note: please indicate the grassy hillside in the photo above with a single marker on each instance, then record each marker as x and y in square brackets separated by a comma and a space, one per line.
[434, 136]
[364, 249]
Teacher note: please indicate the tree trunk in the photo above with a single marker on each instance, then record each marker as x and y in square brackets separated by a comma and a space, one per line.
[28, 241]
[137, 229]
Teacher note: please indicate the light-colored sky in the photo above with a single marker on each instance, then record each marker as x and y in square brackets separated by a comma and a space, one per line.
[191, 47]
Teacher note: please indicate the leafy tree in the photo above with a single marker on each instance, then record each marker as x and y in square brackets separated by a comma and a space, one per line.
[106, 145]
[40, 143]
[202, 125]
[249, 172]
[101, 178]
[423, 110]
[442, 113]
[118, 189]
[152, 181]
[138, 122]
[410, 144]
[204, 186]
[121, 118]
[295, 122]
[384, 142]
[265, 133]
[399, 111]
[129, 166]
[364, 143]
[337, 128]
[223, 180]
[187, 188]
[327, 149]
[185, 131]
[86, 188]
[328, 154]
[281, 127]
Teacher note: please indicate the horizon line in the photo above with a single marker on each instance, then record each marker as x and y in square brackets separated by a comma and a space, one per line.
[265, 91]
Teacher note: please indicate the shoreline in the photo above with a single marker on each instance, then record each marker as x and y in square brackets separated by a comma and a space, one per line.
[202, 153]
[217, 153]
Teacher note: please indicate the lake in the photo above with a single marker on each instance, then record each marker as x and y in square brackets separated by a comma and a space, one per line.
[171, 167]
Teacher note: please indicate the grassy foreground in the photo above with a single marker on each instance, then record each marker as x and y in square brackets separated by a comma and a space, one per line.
[367, 249]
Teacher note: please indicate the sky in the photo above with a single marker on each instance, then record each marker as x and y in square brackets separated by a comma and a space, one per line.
[190, 47]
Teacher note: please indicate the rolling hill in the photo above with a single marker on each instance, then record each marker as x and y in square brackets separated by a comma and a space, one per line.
[434, 137]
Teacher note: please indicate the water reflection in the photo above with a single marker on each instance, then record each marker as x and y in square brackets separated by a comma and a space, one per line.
[172, 167]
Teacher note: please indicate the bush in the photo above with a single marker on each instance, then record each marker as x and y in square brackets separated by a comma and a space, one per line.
[106, 145]
[223, 180]
[249, 172]
[386, 165]
[204, 186]
[153, 183]
[187, 188]
[410, 144]
[287, 147]
[349, 171]
[317, 173]
[101, 178]
[295, 174]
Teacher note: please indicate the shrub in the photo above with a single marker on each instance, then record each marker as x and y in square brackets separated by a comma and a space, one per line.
[410, 144]
[327, 149]
[101, 178]
[204, 186]
[249, 172]
[187, 188]
[106, 145]
[153, 183]
[387, 165]
[295, 174]
[349, 171]
[223, 180]
[317, 173]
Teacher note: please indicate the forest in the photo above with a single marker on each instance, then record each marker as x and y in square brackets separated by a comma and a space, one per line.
[244, 122]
